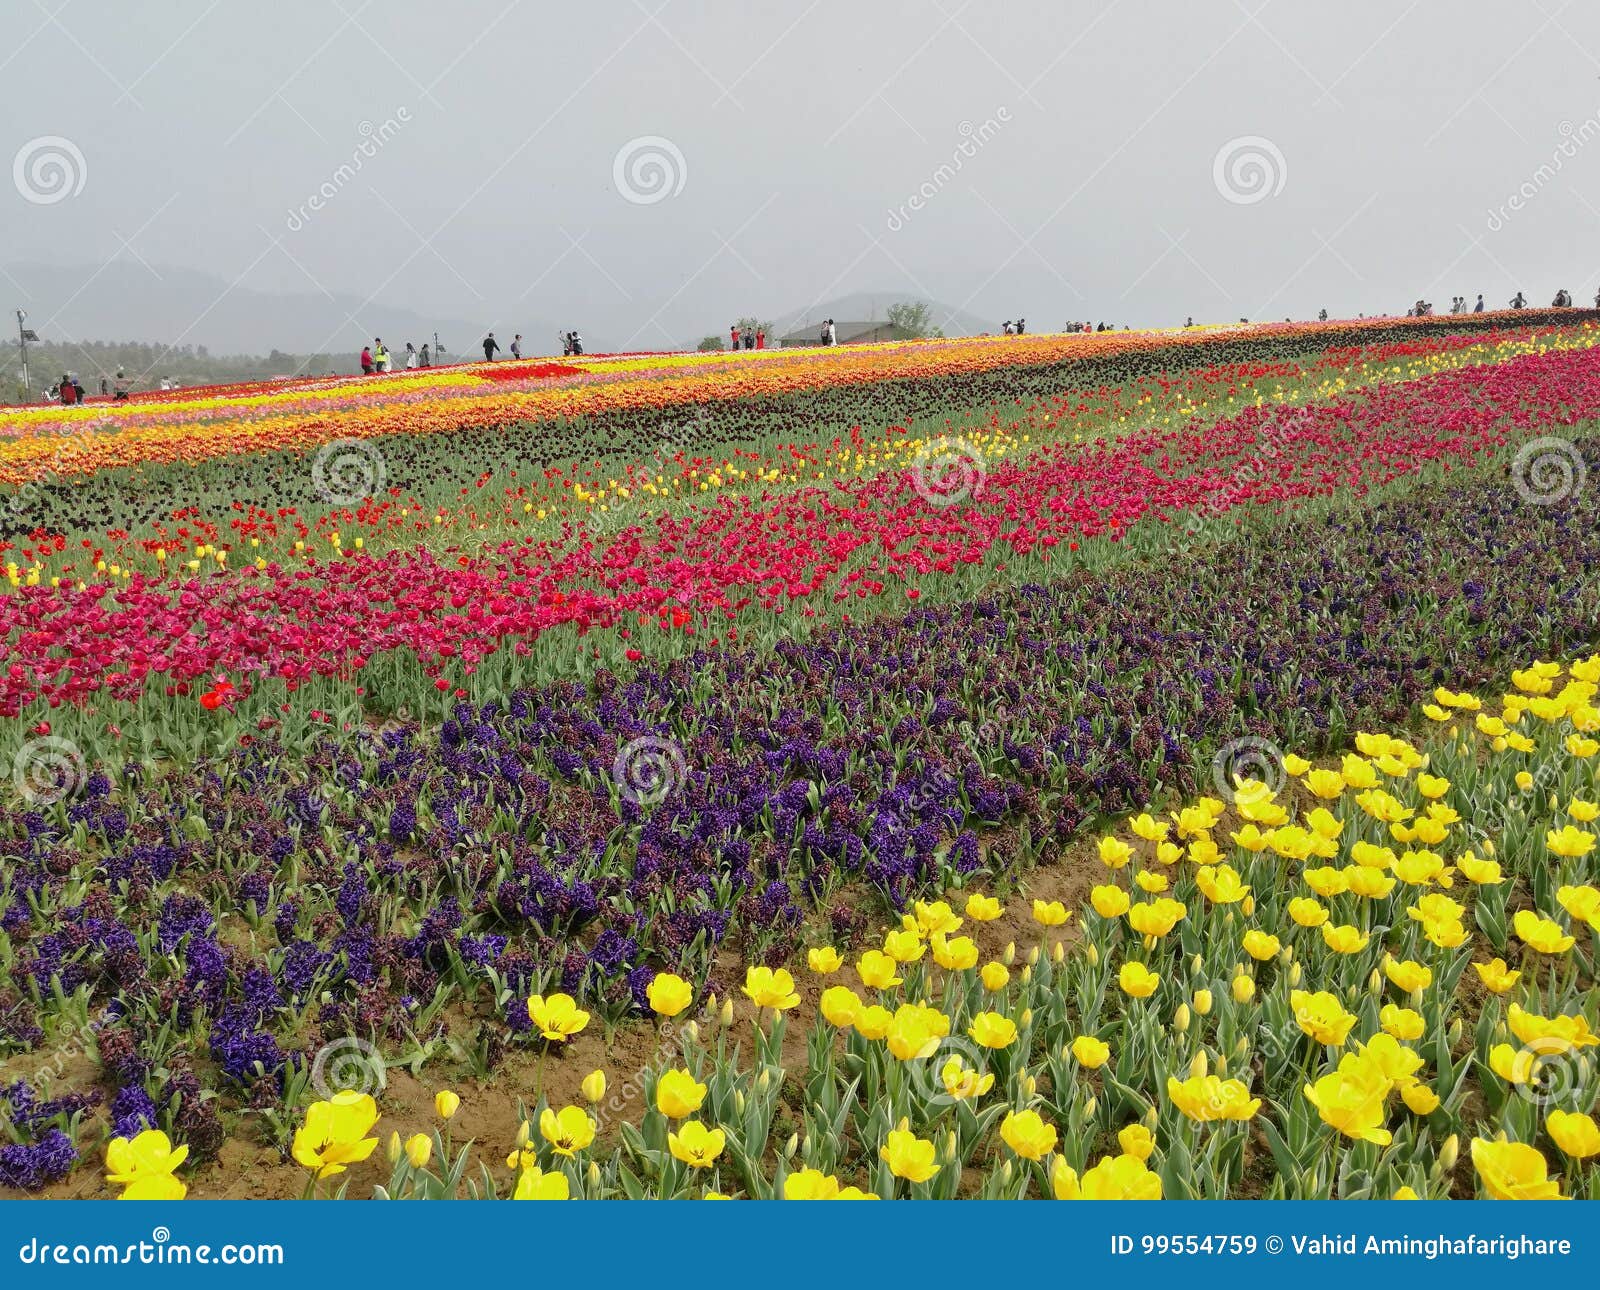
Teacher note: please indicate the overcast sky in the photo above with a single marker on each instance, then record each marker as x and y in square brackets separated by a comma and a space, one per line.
[1137, 162]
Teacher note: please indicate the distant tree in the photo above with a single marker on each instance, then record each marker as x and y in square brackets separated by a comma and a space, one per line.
[753, 325]
[914, 317]
[709, 344]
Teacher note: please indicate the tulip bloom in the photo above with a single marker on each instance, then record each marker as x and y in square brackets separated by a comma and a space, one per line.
[535, 1184]
[144, 1164]
[1575, 1133]
[909, 1156]
[679, 1094]
[1124, 1177]
[334, 1135]
[1321, 1016]
[696, 1145]
[1513, 1171]
[1026, 1133]
[840, 1005]
[993, 1030]
[668, 994]
[770, 988]
[568, 1131]
[557, 1018]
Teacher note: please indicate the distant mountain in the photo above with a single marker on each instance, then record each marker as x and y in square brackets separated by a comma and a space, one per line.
[124, 300]
[862, 306]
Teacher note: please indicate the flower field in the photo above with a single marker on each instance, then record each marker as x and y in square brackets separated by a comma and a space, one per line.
[1124, 766]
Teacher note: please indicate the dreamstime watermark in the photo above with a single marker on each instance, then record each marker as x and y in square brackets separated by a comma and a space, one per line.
[1573, 138]
[1548, 1071]
[648, 769]
[1249, 169]
[649, 169]
[1270, 445]
[346, 471]
[1548, 470]
[373, 138]
[1249, 758]
[348, 1065]
[672, 1042]
[953, 1069]
[48, 769]
[49, 169]
[947, 471]
[654, 472]
[973, 139]
[27, 493]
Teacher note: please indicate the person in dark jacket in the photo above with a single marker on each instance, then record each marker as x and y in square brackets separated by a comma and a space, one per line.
[490, 345]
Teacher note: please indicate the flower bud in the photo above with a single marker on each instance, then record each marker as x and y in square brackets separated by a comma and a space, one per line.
[446, 1103]
[394, 1149]
[1010, 955]
[419, 1150]
[524, 1134]
[1033, 955]
[1243, 988]
[691, 1028]
[1091, 951]
[1247, 906]
[1199, 1067]
[1448, 1154]
[593, 1175]
[594, 1087]
[1202, 1003]
[1058, 952]
[726, 1016]
[1180, 1018]
[791, 1146]
[1294, 974]
[1090, 1107]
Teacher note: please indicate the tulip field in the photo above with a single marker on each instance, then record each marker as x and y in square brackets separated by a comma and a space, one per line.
[1120, 766]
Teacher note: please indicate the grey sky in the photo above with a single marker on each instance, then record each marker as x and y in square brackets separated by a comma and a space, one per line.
[1089, 188]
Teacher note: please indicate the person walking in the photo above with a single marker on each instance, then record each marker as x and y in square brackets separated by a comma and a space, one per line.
[733, 336]
[380, 356]
[516, 345]
[1478, 308]
[411, 357]
[366, 360]
[424, 357]
[490, 346]
[761, 337]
